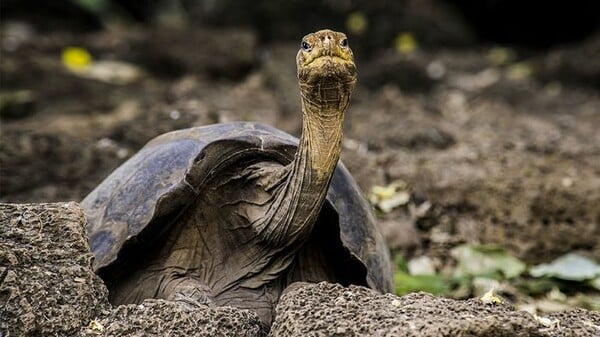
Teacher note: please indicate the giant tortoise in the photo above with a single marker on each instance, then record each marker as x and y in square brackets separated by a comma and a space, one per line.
[233, 213]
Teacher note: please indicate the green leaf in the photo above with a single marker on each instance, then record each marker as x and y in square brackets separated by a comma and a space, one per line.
[486, 261]
[595, 283]
[537, 286]
[571, 267]
[434, 284]
[95, 6]
[401, 263]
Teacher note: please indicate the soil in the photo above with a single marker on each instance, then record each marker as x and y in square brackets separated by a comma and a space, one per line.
[505, 154]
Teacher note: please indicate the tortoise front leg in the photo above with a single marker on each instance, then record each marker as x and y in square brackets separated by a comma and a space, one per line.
[189, 291]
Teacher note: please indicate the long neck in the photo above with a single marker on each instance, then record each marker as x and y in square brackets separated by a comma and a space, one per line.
[303, 193]
[320, 144]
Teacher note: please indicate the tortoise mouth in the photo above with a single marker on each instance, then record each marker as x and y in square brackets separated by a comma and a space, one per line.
[327, 69]
[327, 58]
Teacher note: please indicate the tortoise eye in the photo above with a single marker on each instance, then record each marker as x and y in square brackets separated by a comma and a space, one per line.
[344, 43]
[306, 46]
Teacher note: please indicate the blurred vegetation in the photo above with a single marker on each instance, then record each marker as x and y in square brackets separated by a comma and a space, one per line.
[482, 269]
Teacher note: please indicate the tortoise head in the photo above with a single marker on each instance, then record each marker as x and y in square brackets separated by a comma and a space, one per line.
[325, 61]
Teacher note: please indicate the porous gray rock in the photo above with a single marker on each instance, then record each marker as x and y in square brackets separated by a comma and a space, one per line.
[326, 309]
[47, 287]
[167, 318]
[573, 323]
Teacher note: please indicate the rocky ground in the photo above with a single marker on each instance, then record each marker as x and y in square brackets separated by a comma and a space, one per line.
[48, 288]
[488, 144]
[502, 145]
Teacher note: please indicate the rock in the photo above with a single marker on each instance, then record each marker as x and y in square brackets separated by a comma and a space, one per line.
[47, 287]
[166, 318]
[111, 72]
[66, 159]
[400, 234]
[331, 310]
[198, 51]
[572, 66]
[17, 104]
[389, 67]
[580, 322]
[279, 70]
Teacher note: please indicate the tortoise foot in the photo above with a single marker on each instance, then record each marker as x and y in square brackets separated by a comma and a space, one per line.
[191, 293]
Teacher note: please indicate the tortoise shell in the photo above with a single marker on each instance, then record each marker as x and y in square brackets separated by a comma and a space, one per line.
[141, 199]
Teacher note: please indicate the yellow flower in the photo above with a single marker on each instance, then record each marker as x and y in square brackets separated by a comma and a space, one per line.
[405, 43]
[76, 58]
[491, 298]
[357, 23]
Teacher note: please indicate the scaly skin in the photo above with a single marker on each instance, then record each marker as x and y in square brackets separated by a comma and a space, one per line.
[248, 237]
[326, 76]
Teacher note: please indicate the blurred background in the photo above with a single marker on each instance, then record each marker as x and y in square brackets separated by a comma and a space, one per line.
[473, 130]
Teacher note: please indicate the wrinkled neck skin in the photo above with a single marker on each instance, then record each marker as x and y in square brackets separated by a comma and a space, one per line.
[299, 201]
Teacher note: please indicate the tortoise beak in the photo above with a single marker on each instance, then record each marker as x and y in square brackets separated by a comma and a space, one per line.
[328, 68]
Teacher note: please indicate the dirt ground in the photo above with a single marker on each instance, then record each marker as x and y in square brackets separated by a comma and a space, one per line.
[495, 145]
